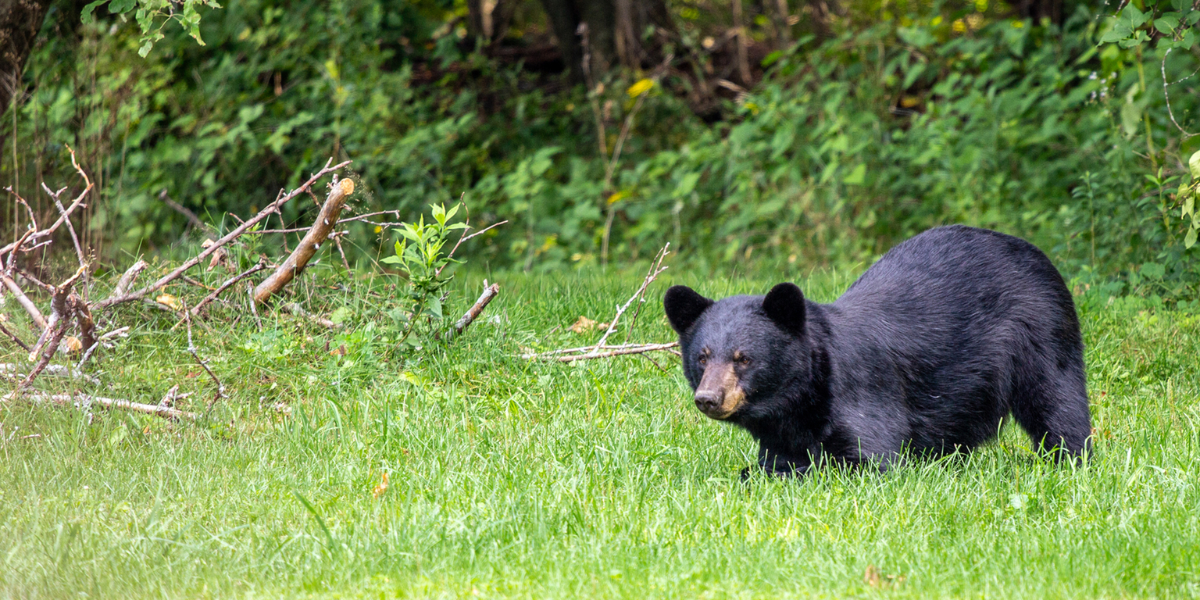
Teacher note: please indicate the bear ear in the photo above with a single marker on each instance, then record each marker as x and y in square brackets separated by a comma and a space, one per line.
[684, 306]
[784, 305]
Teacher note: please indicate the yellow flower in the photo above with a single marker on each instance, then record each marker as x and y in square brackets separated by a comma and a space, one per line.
[641, 87]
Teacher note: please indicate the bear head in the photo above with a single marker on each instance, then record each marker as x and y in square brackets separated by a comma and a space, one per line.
[742, 355]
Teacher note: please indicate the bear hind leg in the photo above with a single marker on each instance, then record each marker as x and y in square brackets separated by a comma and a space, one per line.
[1053, 410]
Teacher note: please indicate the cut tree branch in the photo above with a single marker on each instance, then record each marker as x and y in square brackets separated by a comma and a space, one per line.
[84, 401]
[308, 247]
[247, 224]
[484, 299]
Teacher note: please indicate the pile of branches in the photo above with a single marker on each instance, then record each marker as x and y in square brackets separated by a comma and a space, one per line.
[71, 325]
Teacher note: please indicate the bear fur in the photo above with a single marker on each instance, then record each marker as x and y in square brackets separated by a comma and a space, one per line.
[926, 352]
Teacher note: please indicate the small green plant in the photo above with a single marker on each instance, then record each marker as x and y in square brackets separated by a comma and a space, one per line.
[419, 256]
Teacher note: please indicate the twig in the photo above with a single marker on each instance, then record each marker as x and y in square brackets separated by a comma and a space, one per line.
[100, 341]
[61, 313]
[30, 308]
[183, 210]
[14, 337]
[262, 264]
[579, 350]
[70, 228]
[651, 273]
[85, 400]
[9, 370]
[459, 326]
[1167, 96]
[128, 278]
[655, 269]
[635, 350]
[308, 246]
[247, 224]
[192, 349]
[62, 216]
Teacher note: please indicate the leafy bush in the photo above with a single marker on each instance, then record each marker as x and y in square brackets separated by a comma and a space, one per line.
[844, 149]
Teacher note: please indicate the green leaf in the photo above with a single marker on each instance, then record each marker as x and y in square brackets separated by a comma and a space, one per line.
[86, 16]
[1167, 24]
[1194, 166]
[1189, 204]
[1189, 240]
[434, 307]
[1153, 271]
[857, 176]
[450, 213]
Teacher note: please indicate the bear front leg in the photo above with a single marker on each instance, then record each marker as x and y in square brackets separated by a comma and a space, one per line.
[781, 464]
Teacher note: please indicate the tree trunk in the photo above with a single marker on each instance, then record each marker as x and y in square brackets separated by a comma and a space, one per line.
[20, 21]
[615, 29]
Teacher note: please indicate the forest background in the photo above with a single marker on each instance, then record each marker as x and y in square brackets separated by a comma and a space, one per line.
[802, 133]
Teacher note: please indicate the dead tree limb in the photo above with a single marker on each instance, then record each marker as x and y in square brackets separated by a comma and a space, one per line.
[56, 326]
[262, 264]
[84, 401]
[308, 247]
[636, 349]
[30, 308]
[128, 278]
[195, 221]
[232, 235]
[192, 349]
[655, 269]
[14, 337]
[37, 236]
[473, 313]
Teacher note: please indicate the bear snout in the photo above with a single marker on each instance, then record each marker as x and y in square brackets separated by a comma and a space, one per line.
[709, 401]
[719, 394]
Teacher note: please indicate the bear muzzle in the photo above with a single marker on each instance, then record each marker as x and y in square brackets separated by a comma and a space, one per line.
[719, 394]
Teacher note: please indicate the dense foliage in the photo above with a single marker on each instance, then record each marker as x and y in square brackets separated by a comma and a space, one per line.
[932, 115]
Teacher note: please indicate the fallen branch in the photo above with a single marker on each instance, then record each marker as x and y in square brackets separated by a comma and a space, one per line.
[84, 401]
[655, 269]
[14, 337]
[62, 307]
[12, 371]
[128, 278]
[63, 214]
[232, 235]
[262, 264]
[192, 349]
[308, 247]
[183, 210]
[30, 308]
[473, 313]
[631, 349]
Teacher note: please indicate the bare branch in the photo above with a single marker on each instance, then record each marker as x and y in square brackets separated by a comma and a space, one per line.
[193, 220]
[30, 308]
[63, 215]
[127, 279]
[247, 224]
[192, 349]
[473, 313]
[262, 264]
[308, 247]
[71, 228]
[84, 401]
[638, 349]
[655, 269]
[13, 337]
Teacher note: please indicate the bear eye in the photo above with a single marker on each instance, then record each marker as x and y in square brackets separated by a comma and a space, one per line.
[741, 359]
[703, 357]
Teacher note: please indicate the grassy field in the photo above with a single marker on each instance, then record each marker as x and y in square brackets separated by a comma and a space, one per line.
[510, 478]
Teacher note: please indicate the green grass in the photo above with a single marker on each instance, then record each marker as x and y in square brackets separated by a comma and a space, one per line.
[510, 478]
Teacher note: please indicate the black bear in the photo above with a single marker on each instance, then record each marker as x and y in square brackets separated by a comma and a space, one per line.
[927, 352]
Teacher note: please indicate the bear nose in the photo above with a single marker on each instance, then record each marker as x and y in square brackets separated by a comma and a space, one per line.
[708, 400]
